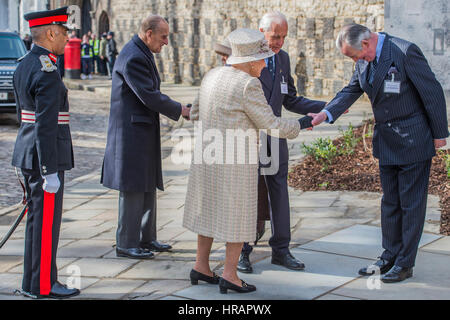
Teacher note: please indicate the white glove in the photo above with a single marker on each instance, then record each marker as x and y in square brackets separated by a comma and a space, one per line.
[51, 183]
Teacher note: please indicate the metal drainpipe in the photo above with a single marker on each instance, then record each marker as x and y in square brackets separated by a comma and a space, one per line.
[18, 18]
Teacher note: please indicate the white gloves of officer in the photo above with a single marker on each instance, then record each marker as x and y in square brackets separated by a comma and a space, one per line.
[51, 183]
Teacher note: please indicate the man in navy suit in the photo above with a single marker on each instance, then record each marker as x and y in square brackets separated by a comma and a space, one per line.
[279, 89]
[411, 122]
[132, 162]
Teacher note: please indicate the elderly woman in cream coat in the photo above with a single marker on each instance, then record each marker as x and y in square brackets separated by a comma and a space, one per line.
[221, 200]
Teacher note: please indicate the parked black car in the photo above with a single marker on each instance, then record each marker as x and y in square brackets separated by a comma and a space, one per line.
[11, 49]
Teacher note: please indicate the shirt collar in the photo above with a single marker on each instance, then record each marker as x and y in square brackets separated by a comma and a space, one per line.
[267, 60]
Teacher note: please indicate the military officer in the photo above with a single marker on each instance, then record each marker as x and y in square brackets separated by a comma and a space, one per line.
[43, 150]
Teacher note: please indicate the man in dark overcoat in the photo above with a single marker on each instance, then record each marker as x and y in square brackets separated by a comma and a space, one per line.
[132, 162]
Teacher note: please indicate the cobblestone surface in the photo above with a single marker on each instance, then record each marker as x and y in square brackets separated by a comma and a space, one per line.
[88, 124]
[89, 112]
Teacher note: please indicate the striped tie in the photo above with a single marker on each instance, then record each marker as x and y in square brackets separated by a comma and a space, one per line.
[372, 70]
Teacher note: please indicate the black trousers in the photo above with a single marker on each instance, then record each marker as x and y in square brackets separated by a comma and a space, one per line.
[279, 212]
[137, 219]
[403, 209]
[41, 234]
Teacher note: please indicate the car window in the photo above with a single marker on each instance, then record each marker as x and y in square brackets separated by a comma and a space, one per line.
[11, 47]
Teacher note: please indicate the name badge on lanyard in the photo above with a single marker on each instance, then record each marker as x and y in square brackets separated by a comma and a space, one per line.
[392, 86]
[284, 86]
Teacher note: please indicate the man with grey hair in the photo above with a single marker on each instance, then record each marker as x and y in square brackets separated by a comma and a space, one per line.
[279, 90]
[132, 162]
[411, 123]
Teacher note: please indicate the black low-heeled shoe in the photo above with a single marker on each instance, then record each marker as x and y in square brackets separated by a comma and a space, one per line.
[195, 276]
[224, 285]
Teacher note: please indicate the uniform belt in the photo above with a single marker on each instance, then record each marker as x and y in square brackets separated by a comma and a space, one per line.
[30, 117]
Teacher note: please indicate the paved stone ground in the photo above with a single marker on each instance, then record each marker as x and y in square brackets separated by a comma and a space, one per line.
[334, 233]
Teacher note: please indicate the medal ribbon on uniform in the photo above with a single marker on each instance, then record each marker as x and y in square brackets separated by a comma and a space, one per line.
[52, 57]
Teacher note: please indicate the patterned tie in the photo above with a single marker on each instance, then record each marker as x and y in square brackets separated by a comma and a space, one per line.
[372, 70]
[271, 68]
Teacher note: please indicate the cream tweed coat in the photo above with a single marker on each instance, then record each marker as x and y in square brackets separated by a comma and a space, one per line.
[221, 199]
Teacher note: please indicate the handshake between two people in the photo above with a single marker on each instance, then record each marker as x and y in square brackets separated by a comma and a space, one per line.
[186, 110]
[311, 120]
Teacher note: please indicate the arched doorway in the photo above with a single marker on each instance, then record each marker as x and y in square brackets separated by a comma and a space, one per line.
[86, 22]
[103, 23]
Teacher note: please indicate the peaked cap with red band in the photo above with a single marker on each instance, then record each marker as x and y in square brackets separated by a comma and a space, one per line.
[42, 18]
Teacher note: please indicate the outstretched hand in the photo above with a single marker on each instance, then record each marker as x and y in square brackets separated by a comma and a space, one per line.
[317, 118]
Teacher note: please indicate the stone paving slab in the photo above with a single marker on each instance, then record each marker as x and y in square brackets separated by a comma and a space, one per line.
[16, 247]
[77, 214]
[161, 269]
[336, 297]
[358, 241]
[101, 268]
[323, 273]
[314, 228]
[83, 233]
[8, 262]
[86, 249]
[60, 262]
[441, 246]
[430, 282]
[157, 289]
[316, 199]
[10, 282]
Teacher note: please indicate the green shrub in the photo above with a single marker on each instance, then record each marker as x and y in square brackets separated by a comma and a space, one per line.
[323, 150]
[350, 141]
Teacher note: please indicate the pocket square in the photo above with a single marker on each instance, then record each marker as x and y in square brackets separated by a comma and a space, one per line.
[392, 70]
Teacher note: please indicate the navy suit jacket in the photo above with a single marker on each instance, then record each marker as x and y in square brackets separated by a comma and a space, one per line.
[406, 123]
[292, 102]
[132, 161]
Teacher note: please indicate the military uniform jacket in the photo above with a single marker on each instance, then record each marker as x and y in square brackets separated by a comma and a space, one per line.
[406, 123]
[132, 161]
[44, 145]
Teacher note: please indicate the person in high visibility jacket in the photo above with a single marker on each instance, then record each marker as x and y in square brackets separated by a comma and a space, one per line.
[87, 56]
[95, 44]
[102, 55]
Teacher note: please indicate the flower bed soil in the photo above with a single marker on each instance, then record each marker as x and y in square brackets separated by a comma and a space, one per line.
[359, 172]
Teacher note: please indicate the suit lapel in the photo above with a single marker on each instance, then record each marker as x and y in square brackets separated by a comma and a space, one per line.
[276, 89]
[266, 79]
[141, 45]
[383, 66]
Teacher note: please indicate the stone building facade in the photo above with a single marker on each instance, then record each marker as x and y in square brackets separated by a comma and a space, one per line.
[427, 24]
[317, 66]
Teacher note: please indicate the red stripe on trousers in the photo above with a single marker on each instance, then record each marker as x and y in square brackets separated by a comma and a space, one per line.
[46, 243]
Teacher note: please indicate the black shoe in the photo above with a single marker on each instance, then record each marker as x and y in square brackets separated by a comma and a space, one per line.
[244, 264]
[287, 260]
[157, 246]
[26, 294]
[60, 291]
[224, 285]
[134, 253]
[195, 276]
[397, 274]
[382, 265]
